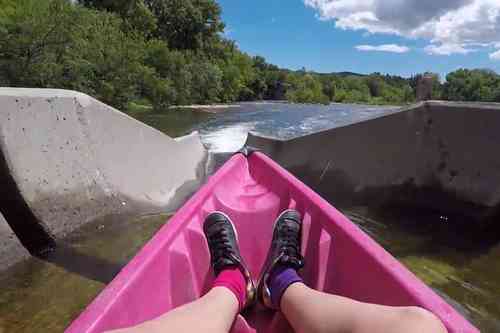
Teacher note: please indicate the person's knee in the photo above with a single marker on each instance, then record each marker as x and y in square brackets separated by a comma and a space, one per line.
[419, 317]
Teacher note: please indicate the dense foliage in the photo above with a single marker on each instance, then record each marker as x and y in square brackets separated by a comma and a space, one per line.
[172, 52]
[472, 85]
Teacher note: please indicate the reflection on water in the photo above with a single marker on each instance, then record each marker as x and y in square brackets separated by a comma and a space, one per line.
[44, 295]
[174, 122]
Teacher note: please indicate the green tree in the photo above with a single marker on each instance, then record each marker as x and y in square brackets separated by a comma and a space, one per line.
[472, 85]
[33, 36]
[356, 89]
[56, 44]
[375, 85]
[187, 24]
[328, 86]
[305, 88]
[207, 82]
[136, 14]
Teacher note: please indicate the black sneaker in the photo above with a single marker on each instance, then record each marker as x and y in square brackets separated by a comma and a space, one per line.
[284, 250]
[224, 251]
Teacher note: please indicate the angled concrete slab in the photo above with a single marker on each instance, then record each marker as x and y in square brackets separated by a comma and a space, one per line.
[72, 159]
[436, 154]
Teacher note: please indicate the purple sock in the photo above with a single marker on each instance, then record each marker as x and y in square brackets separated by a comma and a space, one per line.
[280, 279]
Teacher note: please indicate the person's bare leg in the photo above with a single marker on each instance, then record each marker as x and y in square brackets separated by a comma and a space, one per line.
[213, 313]
[308, 310]
[281, 288]
[232, 290]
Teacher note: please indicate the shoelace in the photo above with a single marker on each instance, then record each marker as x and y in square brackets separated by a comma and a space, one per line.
[221, 247]
[290, 246]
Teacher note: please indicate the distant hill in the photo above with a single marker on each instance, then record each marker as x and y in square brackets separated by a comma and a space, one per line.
[343, 74]
[339, 74]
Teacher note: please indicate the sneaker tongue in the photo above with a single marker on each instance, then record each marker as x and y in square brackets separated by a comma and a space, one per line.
[226, 261]
[221, 264]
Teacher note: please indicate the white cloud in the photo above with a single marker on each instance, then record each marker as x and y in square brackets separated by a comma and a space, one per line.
[495, 55]
[451, 26]
[447, 49]
[383, 48]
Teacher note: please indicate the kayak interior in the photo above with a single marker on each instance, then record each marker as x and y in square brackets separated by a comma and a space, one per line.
[173, 267]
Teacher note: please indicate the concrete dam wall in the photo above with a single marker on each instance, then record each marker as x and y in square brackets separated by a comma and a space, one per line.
[67, 159]
[437, 155]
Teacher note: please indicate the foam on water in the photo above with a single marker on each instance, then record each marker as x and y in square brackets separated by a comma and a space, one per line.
[227, 132]
[227, 139]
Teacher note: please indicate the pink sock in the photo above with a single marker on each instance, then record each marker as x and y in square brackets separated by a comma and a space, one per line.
[232, 278]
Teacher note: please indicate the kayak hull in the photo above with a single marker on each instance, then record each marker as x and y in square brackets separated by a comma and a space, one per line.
[173, 267]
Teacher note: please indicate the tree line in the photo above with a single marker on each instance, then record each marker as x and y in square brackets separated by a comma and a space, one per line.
[173, 52]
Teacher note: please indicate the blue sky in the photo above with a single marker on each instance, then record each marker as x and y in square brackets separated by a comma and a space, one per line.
[327, 35]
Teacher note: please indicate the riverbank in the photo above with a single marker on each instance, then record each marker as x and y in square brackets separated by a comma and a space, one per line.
[135, 108]
[210, 108]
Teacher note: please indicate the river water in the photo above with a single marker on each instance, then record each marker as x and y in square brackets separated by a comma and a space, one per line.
[40, 296]
[226, 131]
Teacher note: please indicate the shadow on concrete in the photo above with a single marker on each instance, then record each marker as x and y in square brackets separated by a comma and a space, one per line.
[34, 236]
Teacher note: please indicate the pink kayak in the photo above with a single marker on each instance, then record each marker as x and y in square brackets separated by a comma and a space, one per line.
[173, 267]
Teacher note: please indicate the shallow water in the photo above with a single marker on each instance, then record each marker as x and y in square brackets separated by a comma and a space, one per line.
[469, 279]
[45, 295]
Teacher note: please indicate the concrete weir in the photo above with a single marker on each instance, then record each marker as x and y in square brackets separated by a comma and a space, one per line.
[438, 155]
[67, 159]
